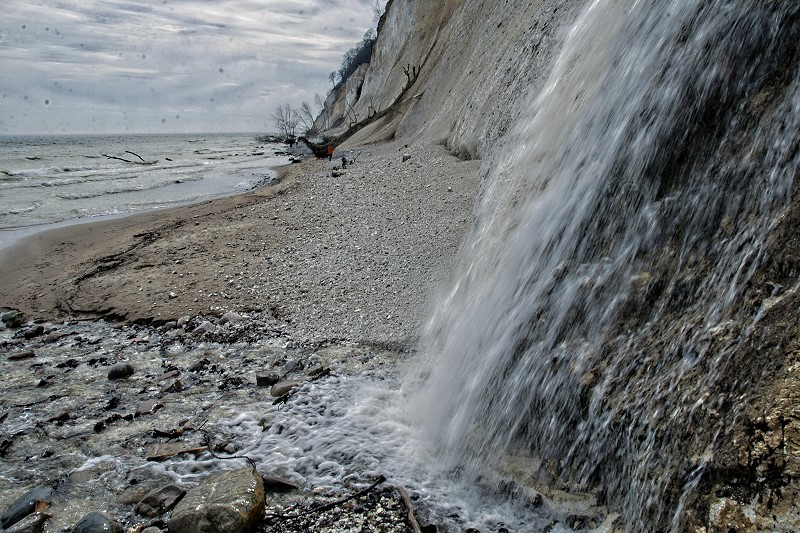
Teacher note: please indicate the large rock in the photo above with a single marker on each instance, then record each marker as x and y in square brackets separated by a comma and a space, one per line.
[24, 505]
[227, 502]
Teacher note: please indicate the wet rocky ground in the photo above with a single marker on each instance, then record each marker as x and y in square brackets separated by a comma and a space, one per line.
[104, 416]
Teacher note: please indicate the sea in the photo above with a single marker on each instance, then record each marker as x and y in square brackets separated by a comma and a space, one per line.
[54, 180]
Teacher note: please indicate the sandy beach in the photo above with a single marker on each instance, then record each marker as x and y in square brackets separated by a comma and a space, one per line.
[352, 257]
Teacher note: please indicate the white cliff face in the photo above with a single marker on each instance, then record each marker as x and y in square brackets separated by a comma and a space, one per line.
[478, 61]
[384, 78]
[339, 109]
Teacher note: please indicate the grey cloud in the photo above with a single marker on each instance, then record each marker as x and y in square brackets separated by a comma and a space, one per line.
[111, 61]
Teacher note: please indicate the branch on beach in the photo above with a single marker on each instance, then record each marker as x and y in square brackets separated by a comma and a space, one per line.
[412, 515]
[137, 155]
[142, 162]
[331, 505]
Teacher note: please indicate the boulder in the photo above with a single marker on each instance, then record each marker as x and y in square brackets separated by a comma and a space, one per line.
[226, 502]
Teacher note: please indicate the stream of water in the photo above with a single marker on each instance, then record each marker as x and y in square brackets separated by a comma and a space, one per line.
[618, 227]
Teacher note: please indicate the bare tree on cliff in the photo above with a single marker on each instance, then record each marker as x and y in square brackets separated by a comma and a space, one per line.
[306, 117]
[286, 120]
[319, 101]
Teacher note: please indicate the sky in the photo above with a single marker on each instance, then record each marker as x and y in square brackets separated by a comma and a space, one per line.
[167, 66]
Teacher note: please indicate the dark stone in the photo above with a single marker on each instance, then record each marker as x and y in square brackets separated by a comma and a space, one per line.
[275, 484]
[268, 380]
[97, 523]
[227, 502]
[120, 371]
[24, 505]
[32, 333]
[577, 522]
[33, 523]
[160, 501]
[199, 365]
[148, 407]
[19, 356]
[169, 375]
[53, 336]
[133, 494]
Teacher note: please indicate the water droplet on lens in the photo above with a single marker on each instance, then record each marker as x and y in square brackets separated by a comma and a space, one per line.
[163, 121]
[47, 102]
[221, 69]
[144, 56]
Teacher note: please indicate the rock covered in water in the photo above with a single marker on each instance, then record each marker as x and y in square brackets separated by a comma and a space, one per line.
[226, 502]
[97, 523]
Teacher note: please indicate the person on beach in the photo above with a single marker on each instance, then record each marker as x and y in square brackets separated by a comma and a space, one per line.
[344, 162]
[330, 153]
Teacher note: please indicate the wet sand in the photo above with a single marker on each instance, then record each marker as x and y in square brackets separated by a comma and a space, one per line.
[350, 257]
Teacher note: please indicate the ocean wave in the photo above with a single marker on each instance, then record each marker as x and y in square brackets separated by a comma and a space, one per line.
[149, 187]
[18, 210]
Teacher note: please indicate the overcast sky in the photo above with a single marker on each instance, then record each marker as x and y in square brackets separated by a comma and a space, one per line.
[84, 66]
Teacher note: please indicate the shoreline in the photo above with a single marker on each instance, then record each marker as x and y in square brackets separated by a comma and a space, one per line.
[9, 237]
[353, 257]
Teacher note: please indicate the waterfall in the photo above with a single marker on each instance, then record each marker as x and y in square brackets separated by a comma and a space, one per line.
[596, 315]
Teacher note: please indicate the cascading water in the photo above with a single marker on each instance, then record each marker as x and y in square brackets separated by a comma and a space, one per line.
[596, 316]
